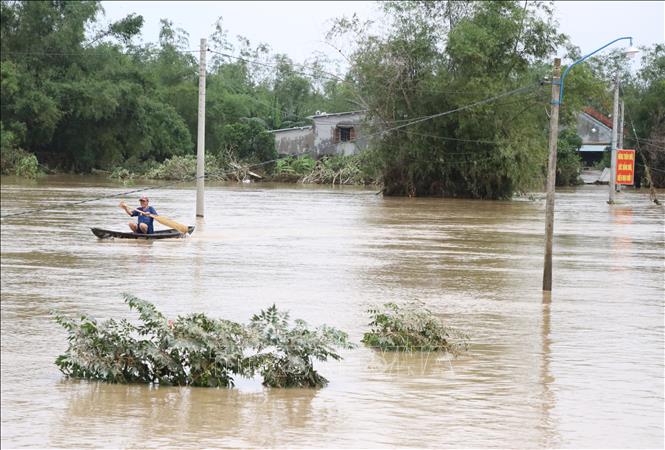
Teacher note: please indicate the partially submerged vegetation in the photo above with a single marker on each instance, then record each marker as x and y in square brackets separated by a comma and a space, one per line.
[411, 327]
[14, 160]
[340, 169]
[196, 350]
[284, 353]
[334, 170]
[180, 168]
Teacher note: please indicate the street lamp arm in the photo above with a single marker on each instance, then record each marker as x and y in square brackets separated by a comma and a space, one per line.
[565, 72]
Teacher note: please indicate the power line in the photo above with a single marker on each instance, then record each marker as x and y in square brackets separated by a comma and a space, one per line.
[446, 138]
[464, 108]
[331, 76]
[651, 168]
[382, 132]
[49, 208]
[647, 170]
[433, 116]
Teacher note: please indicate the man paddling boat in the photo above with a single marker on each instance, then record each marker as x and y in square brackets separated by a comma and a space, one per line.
[145, 215]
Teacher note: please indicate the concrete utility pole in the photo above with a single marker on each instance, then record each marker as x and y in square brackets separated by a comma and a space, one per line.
[551, 174]
[621, 125]
[200, 139]
[615, 129]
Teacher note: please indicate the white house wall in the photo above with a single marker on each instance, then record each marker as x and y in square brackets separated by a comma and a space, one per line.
[294, 141]
[324, 128]
[318, 139]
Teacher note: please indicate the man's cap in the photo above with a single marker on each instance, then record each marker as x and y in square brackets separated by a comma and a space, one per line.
[143, 197]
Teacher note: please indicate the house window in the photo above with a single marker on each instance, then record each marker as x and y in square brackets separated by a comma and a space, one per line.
[343, 134]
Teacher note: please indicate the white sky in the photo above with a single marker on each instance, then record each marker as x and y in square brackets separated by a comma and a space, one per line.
[298, 28]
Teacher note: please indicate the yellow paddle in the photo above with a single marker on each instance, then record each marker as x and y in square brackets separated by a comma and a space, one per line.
[165, 221]
[170, 223]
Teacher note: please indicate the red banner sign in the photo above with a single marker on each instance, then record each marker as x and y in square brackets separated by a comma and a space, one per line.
[625, 166]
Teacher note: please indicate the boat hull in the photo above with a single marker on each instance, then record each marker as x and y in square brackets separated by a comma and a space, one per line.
[161, 234]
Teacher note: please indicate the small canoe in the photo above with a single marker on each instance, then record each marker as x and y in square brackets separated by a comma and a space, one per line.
[161, 234]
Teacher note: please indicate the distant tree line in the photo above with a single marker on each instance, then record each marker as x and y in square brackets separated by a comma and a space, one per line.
[78, 95]
[95, 100]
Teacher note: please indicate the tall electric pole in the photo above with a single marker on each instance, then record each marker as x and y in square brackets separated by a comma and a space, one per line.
[621, 126]
[615, 129]
[551, 174]
[200, 139]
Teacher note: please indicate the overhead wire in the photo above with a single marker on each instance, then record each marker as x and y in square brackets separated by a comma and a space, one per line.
[318, 73]
[647, 170]
[381, 132]
[330, 76]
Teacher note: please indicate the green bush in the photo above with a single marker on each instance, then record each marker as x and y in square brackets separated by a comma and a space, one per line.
[28, 166]
[339, 169]
[13, 159]
[184, 168]
[196, 350]
[175, 168]
[289, 361]
[283, 167]
[120, 173]
[191, 350]
[411, 328]
[297, 166]
[569, 162]
[247, 140]
[303, 165]
[605, 161]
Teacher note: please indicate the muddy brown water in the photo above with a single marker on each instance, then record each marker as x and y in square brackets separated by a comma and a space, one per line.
[582, 368]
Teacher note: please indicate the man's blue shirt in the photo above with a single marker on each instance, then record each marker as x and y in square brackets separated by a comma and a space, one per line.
[145, 219]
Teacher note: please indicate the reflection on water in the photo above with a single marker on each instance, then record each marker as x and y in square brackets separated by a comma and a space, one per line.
[582, 367]
[549, 436]
[178, 416]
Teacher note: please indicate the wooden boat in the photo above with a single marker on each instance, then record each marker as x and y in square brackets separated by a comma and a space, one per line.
[160, 234]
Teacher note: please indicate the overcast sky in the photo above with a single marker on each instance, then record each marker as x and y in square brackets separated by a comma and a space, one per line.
[298, 28]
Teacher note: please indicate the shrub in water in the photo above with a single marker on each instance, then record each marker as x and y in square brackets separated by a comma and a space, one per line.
[28, 166]
[175, 168]
[120, 173]
[197, 350]
[411, 328]
[191, 350]
[285, 353]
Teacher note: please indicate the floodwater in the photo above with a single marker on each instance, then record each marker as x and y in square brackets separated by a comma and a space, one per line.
[582, 368]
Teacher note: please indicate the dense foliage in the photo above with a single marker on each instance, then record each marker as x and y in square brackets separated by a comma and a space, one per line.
[411, 327]
[441, 85]
[284, 353]
[351, 169]
[645, 115]
[445, 56]
[81, 95]
[196, 350]
[568, 163]
[454, 92]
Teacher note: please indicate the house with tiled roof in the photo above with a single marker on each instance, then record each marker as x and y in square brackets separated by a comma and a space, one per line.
[595, 129]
